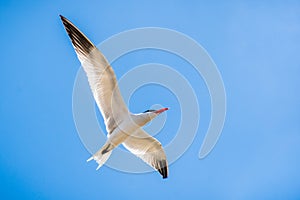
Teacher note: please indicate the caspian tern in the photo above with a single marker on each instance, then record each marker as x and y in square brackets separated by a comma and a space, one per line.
[122, 126]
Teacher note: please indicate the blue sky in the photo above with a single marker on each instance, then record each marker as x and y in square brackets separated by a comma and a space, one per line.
[256, 47]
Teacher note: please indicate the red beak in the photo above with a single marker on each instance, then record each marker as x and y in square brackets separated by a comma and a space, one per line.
[161, 110]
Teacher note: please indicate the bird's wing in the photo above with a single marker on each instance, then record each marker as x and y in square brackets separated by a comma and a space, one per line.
[101, 77]
[149, 150]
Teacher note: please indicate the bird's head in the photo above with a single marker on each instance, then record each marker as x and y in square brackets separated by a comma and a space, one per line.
[148, 115]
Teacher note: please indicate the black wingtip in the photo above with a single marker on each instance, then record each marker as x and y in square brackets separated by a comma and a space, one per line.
[80, 42]
[63, 18]
[164, 169]
[164, 172]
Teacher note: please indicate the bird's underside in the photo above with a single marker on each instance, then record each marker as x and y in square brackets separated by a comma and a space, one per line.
[122, 126]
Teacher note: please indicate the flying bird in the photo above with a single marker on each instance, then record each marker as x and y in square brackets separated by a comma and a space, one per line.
[122, 126]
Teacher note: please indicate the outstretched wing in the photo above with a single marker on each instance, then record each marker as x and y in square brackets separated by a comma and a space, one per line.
[149, 150]
[101, 77]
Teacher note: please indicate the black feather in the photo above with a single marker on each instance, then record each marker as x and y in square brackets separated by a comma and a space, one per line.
[163, 170]
[80, 42]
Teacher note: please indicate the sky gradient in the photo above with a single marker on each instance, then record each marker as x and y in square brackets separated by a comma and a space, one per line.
[256, 47]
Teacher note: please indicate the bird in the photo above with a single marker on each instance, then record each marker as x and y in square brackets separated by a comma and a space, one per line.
[122, 126]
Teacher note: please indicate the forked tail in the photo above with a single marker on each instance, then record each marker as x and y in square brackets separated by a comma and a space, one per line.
[102, 155]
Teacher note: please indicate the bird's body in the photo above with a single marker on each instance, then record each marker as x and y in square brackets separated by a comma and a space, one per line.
[122, 126]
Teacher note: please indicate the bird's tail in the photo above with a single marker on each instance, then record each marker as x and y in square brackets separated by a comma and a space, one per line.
[102, 155]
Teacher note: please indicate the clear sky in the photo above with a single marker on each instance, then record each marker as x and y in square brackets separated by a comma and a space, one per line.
[256, 47]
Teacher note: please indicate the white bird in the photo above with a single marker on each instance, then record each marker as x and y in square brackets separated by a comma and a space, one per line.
[122, 126]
